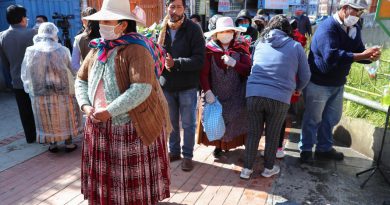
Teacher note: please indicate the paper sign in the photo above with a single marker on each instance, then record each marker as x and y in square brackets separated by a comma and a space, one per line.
[276, 4]
[223, 6]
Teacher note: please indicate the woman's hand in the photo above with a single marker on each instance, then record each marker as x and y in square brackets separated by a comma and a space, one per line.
[102, 115]
[89, 110]
[297, 93]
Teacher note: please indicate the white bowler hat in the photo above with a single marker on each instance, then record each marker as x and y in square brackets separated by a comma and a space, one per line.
[357, 4]
[114, 10]
[224, 24]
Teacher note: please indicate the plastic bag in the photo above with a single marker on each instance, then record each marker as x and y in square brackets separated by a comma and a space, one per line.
[372, 69]
[213, 123]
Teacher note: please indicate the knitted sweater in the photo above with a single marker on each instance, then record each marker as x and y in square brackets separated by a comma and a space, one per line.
[134, 68]
[332, 53]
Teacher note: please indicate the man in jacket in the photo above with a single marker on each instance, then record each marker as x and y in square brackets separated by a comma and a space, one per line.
[335, 46]
[13, 44]
[185, 46]
[304, 25]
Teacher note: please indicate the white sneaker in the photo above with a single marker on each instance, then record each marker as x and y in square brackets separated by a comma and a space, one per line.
[270, 172]
[280, 153]
[246, 173]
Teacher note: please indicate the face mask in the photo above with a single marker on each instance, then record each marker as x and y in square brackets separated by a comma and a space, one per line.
[108, 32]
[244, 25]
[225, 38]
[350, 20]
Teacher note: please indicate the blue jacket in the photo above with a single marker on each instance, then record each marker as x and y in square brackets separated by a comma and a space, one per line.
[331, 53]
[277, 62]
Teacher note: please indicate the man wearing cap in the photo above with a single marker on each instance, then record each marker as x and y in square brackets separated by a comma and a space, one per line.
[335, 46]
[183, 40]
[304, 26]
[13, 44]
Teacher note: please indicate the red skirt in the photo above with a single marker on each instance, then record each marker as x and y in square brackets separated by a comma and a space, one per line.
[118, 169]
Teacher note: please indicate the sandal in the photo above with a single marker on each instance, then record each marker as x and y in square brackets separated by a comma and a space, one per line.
[70, 149]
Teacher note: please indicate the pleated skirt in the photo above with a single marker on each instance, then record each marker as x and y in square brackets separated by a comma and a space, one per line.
[117, 168]
[57, 118]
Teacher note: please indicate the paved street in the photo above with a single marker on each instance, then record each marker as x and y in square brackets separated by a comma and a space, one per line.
[30, 175]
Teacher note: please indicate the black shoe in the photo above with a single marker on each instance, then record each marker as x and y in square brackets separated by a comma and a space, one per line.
[53, 149]
[174, 157]
[307, 157]
[71, 149]
[30, 141]
[217, 152]
[332, 154]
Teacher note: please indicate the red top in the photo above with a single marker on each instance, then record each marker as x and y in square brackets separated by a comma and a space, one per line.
[299, 37]
[243, 67]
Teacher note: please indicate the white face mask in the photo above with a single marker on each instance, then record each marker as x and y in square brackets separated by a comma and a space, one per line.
[108, 32]
[350, 20]
[225, 38]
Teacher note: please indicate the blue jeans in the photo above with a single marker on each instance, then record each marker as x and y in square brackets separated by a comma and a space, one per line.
[323, 110]
[183, 104]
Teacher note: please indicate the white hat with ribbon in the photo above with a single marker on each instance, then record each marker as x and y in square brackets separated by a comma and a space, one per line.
[115, 10]
[224, 24]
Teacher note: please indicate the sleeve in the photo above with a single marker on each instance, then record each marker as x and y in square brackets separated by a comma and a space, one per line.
[81, 90]
[195, 62]
[81, 84]
[360, 49]
[303, 73]
[24, 74]
[75, 57]
[141, 74]
[243, 67]
[205, 75]
[308, 26]
[4, 63]
[328, 46]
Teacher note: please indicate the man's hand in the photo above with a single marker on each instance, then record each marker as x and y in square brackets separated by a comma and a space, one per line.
[372, 53]
[89, 110]
[169, 63]
[102, 115]
[376, 55]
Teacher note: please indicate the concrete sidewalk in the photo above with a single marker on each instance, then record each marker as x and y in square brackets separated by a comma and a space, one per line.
[30, 175]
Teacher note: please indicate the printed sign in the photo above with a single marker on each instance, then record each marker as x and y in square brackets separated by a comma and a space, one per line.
[223, 6]
[276, 4]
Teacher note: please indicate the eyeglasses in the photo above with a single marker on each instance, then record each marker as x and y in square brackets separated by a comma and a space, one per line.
[359, 12]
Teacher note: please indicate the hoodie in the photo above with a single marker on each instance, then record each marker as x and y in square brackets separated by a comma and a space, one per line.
[277, 61]
[252, 32]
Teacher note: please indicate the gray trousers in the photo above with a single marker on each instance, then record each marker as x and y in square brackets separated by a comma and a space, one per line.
[262, 111]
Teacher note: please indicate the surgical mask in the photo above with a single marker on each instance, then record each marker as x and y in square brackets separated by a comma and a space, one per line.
[108, 32]
[225, 38]
[350, 20]
[244, 25]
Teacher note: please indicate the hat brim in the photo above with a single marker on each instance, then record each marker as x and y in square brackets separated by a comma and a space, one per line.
[355, 6]
[111, 16]
[236, 29]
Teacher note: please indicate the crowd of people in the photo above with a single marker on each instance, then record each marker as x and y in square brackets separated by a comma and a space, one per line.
[137, 94]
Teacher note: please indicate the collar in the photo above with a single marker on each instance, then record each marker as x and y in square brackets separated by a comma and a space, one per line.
[16, 26]
[337, 18]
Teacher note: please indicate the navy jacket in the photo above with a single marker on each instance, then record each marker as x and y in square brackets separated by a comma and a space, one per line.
[331, 53]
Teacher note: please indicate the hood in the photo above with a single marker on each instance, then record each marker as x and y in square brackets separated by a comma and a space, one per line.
[277, 38]
[243, 14]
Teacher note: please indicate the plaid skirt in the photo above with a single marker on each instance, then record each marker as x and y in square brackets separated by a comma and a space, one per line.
[118, 169]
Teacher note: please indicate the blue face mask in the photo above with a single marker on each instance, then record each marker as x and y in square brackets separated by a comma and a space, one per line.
[244, 25]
